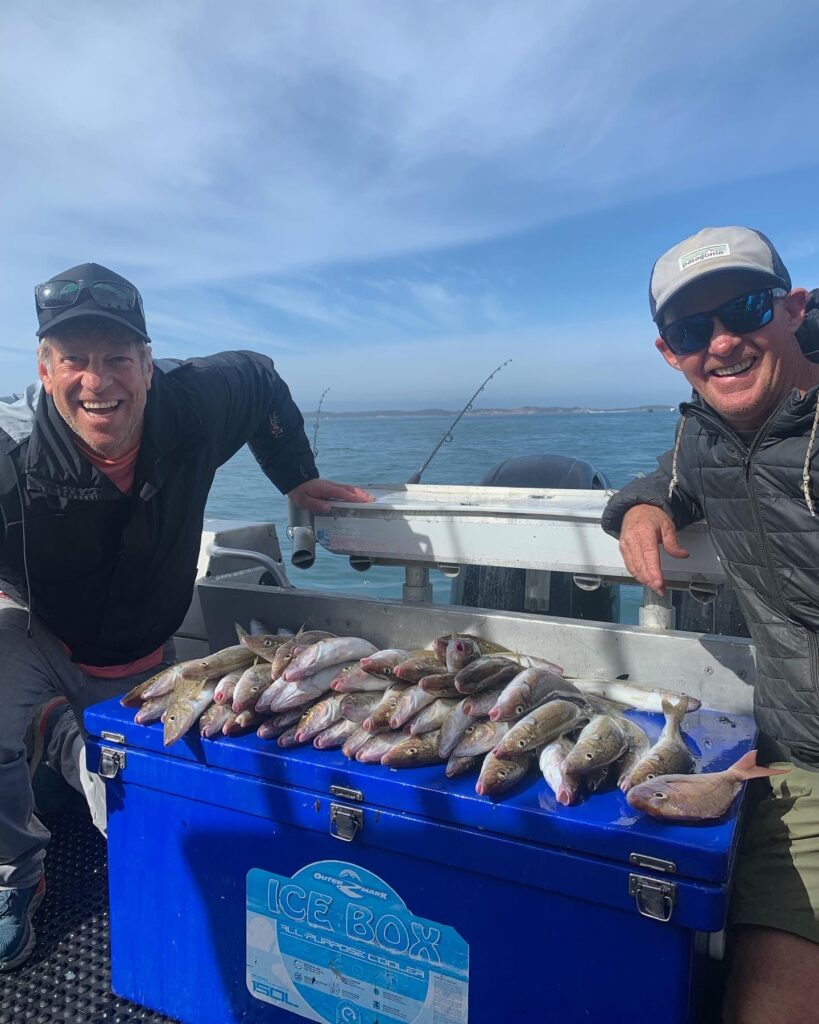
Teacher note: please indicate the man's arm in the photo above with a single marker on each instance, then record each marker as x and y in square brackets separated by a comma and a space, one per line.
[644, 517]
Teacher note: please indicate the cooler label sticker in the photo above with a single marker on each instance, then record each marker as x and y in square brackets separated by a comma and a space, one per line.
[335, 943]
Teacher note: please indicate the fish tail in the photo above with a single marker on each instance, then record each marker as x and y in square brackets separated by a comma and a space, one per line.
[747, 768]
[675, 712]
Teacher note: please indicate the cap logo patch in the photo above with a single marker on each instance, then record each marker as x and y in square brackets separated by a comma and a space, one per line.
[707, 252]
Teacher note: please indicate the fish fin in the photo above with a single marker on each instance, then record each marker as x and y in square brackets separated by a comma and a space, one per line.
[747, 768]
[675, 711]
[241, 632]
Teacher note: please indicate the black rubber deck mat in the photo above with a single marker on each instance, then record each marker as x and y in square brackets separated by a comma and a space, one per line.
[67, 978]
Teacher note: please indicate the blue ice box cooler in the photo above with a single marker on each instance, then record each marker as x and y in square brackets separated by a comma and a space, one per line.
[251, 883]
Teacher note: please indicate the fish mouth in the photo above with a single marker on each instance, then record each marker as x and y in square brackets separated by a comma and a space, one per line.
[735, 369]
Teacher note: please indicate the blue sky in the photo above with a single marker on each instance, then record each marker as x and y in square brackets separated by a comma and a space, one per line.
[392, 198]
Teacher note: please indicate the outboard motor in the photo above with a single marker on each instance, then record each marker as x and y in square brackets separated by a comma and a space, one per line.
[552, 593]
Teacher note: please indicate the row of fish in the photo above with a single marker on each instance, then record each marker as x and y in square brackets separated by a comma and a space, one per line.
[464, 702]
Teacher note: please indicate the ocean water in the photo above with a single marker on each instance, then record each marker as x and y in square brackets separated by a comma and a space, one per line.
[388, 449]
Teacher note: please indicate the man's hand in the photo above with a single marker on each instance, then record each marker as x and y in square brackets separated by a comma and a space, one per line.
[644, 529]
[312, 495]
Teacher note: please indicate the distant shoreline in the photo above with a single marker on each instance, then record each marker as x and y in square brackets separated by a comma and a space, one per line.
[526, 410]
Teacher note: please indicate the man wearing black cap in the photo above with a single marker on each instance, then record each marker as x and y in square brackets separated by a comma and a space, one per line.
[743, 462]
[104, 476]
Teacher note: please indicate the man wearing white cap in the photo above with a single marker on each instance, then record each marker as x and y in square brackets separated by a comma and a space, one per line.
[727, 319]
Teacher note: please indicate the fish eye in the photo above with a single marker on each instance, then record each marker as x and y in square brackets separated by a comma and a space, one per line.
[649, 776]
[267, 643]
[519, 709]
[388, 671]
[660, 796]
[521, 744]
[503, 773]
[588, 755]
[412, 750]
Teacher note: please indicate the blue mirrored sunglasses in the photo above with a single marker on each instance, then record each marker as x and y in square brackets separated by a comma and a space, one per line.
[739, 316]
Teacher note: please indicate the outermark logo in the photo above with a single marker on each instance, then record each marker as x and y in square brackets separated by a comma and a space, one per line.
[349, 884]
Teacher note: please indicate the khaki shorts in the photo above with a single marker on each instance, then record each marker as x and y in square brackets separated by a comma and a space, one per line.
[776, 884]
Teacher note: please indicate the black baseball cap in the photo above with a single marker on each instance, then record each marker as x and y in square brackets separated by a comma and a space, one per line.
[89, 291]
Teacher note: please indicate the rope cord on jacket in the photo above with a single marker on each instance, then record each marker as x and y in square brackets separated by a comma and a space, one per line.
[806, 467]
[675, 476]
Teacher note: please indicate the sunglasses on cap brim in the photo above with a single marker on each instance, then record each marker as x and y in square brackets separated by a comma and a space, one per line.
[738, 316]
[111, 295]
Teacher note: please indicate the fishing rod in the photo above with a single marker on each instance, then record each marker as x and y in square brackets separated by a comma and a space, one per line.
[447, 435]
[315, 432]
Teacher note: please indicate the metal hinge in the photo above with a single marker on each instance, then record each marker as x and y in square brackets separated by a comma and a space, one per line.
[345, 822]
[111, 762]
[654, 897]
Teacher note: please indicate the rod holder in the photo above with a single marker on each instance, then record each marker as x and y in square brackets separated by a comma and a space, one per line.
[301, 533]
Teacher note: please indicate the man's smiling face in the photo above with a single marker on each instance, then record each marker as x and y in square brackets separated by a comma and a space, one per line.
[99, 381]
[743, 377]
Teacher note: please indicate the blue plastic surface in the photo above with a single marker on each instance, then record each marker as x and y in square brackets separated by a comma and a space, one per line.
[603, 825]
[528, 903]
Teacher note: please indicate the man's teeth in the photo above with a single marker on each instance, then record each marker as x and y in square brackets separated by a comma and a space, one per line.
[99, 405]
[728, 371]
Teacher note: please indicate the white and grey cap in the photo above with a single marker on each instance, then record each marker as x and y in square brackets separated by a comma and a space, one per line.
[715, 251]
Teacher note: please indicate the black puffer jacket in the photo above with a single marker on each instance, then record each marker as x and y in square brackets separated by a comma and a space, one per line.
[760, 516]
[112, 574]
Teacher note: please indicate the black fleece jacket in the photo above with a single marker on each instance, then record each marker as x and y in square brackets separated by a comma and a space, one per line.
[111, 574]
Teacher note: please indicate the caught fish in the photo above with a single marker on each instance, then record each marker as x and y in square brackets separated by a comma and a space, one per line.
[440, 644]
[335, 735]
[355, 742]
[353, 679]
[223, 694]
[243, 722]
[602, 741]
[213, 719]
[480, 737]
[596, 779]
[701, 797]
[319, 717]
[291, 648]
[264, 645]
[460, 651]
[669, 755]
[298, 692]
[439, 685]
[383, 663]
[153, 710]
[499, 774]
[416, 668]
[218, 664]
[377, 746]
[240, 631]
[189, 700]
[540, 726]
[410, 702]
[564, 785]
[483, 702]
[355, 707]
[322, 655]
[288, 737]
[250, 686]
[638, 746]
[460, 765]
[413, 752]
[433, 716]
[529, 689]
[157, 686]
[453, 728]
[487, 671]
[272, 726]
[379, 719]
[633, 696]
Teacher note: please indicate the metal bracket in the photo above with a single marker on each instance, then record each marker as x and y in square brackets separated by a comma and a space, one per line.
[112, 737]
[345, 822]
[112, 762]
[346, 793]
[641, 860]
[654, 898]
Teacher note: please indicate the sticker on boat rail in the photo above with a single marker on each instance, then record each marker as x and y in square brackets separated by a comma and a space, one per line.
[335, 943]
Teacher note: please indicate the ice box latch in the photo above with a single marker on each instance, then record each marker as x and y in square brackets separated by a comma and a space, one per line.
[111, 762]
[345, 822]
[654, 897]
